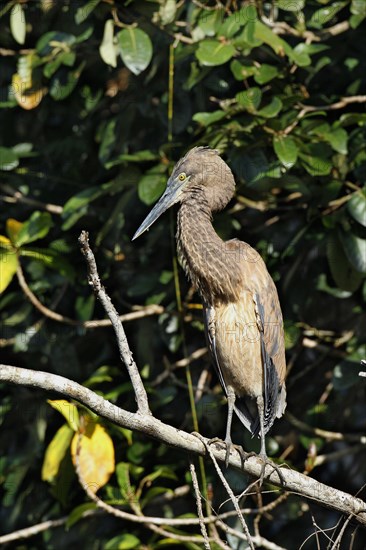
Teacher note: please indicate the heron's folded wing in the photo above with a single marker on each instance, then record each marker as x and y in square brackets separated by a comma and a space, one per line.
[273, 356]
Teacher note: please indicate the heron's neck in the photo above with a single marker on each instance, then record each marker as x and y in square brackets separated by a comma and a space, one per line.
[210, 262]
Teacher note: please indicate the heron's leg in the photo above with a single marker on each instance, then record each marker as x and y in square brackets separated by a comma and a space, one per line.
[260, 406]
[230, 410]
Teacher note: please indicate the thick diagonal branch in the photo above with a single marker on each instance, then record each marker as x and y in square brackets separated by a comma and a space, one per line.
[149, 425]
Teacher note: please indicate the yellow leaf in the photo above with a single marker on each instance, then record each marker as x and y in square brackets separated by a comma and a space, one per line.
[27, 97]
[55, 453]
[8, 267]
[5, 242]
[13, 228]
[96, 456]
[68, 411]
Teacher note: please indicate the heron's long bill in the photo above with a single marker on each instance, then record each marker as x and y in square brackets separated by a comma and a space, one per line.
[170, 196]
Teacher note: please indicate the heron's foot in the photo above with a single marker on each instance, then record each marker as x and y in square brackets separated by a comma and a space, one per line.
[268, 462]
[228, 444]
[244, 455]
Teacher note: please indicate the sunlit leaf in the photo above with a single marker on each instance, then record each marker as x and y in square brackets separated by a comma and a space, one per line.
[18, 23]
[135, 48]
[68, 410]
[286, 149]
[95, 456]
[8, 267]
[55, 452]
[8, 159]
[213, 52]
[107, 48]
[26, 84]
[36, 227]
[357, 206]
[355, 249]
[126, 541]
[250, 99]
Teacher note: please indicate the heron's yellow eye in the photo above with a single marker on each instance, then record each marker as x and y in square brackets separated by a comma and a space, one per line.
[182, 176]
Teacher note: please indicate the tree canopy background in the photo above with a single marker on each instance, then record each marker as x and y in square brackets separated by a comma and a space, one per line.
[98, 100]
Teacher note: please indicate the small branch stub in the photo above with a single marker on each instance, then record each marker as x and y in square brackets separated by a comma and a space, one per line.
[124, 350]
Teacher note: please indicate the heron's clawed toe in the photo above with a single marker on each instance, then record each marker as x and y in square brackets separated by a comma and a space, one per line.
[268, 462]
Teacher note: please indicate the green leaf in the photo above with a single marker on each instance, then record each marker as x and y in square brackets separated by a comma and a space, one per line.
[338, 140]
[18, 23]
[357, 206]
[212, 52]
[108, 140]
[210, 21]
[36, 227]
[300, 56]
[51, 259]
[152, 185]
[107, 48]
[90, 194]
[78, 513]
[55, 453]
[64, 58]
[286, 150]
[167, 11]
[140, 156]
[250, 99]
[323, 15]
[85, 10]
[8, 267]
[241, 71]
[230, 26]
[265, 73]
[123, 542]
[64, 82]
[123, 479]
[54, 39]
[8, 159]
[266, 35]
[342, 272]
[314, 158]
[336, 292]
[355, 249]
[206, 119]
[358, 7]
[291, 5]
[272, 109]
[135, 48]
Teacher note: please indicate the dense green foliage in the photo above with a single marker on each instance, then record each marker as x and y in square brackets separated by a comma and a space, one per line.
[98, 100]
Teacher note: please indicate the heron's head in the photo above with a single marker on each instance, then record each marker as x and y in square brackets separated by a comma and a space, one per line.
[202, 170]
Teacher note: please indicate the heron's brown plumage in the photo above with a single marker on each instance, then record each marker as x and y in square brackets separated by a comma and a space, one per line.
[243, 316]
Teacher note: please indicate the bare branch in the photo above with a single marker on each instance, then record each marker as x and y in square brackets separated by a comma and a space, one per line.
[124, 349]
[16, 196]
[326, 434]
[343, 102]
[153, 309]
[199, 505]
[33, 530]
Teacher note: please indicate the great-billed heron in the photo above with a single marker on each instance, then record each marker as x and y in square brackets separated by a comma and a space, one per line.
[242, 313]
